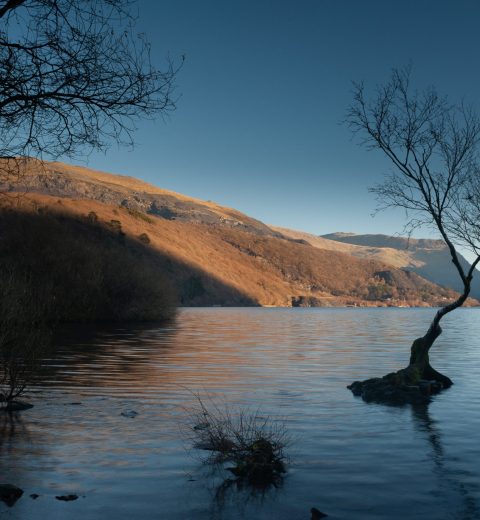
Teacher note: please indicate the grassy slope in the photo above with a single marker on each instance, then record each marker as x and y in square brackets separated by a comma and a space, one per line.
[428, 258]
[237, 267]
[239, 260]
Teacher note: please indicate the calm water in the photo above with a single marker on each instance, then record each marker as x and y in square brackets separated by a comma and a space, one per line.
[352, 460]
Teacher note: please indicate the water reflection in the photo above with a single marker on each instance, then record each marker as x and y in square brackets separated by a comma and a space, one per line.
[19, 443]
[108, 356]
[11, 425]
[215, 349]
[450, 480]
[240, 496]
[350, 459]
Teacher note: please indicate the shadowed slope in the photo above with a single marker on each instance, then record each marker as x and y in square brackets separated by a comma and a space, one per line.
[213, 264]
[88, 269]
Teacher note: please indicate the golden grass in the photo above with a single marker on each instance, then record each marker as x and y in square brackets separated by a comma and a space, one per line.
[267, 270]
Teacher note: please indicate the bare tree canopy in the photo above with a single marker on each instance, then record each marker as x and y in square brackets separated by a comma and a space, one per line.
[74, 75]
[434, 148]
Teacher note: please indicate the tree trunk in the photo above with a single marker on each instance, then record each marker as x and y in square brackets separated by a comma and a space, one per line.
[419, 367]
[419, 359]
[415, 383]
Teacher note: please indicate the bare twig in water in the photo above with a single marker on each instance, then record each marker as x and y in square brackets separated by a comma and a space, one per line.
[255, 444]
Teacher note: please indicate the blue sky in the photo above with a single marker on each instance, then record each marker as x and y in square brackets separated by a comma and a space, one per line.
[263, 91]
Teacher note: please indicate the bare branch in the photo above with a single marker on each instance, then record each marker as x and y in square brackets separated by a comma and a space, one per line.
[75, 77]
[433, 146]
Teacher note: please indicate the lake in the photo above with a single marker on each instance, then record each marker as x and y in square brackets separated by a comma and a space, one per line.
[352, 460]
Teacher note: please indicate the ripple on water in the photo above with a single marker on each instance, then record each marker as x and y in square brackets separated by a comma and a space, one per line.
[350, 459]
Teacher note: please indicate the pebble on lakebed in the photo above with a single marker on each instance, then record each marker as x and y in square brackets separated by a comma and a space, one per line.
[317, 514]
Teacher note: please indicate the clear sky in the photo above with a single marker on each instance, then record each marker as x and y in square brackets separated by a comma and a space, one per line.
[264, 88]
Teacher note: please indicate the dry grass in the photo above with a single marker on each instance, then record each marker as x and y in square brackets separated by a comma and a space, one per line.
[252, 443]
[320, 273]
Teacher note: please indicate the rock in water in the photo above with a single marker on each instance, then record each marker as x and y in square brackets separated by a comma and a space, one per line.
[129, 413]
[388, 390]
[317, 514]
[10, 494]
[67, 498]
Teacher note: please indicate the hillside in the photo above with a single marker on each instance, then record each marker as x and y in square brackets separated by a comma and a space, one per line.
[62, 180]
[214, 255]
[426, 257]
[69, 269]
[393, 257]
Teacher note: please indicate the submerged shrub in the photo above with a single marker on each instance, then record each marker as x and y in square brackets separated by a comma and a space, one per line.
[252, 443]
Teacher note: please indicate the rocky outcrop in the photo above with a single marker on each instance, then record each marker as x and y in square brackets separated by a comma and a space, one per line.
[61, 180]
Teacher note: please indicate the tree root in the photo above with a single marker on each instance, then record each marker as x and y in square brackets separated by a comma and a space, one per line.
[407, 386]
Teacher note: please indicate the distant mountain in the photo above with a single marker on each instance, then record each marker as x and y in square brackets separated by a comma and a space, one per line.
[218, 256]
[426, 257]
[400, 243]
[393, 257]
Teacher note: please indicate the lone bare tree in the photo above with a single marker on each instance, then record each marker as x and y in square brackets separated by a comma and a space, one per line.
[433, 146]
[74, 76]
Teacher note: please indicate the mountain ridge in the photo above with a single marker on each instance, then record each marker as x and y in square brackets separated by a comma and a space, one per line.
[263, 264]
[429, 258]
[59, 179]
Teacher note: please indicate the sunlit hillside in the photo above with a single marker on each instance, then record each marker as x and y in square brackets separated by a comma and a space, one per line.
[428, 258]
[219, 256]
